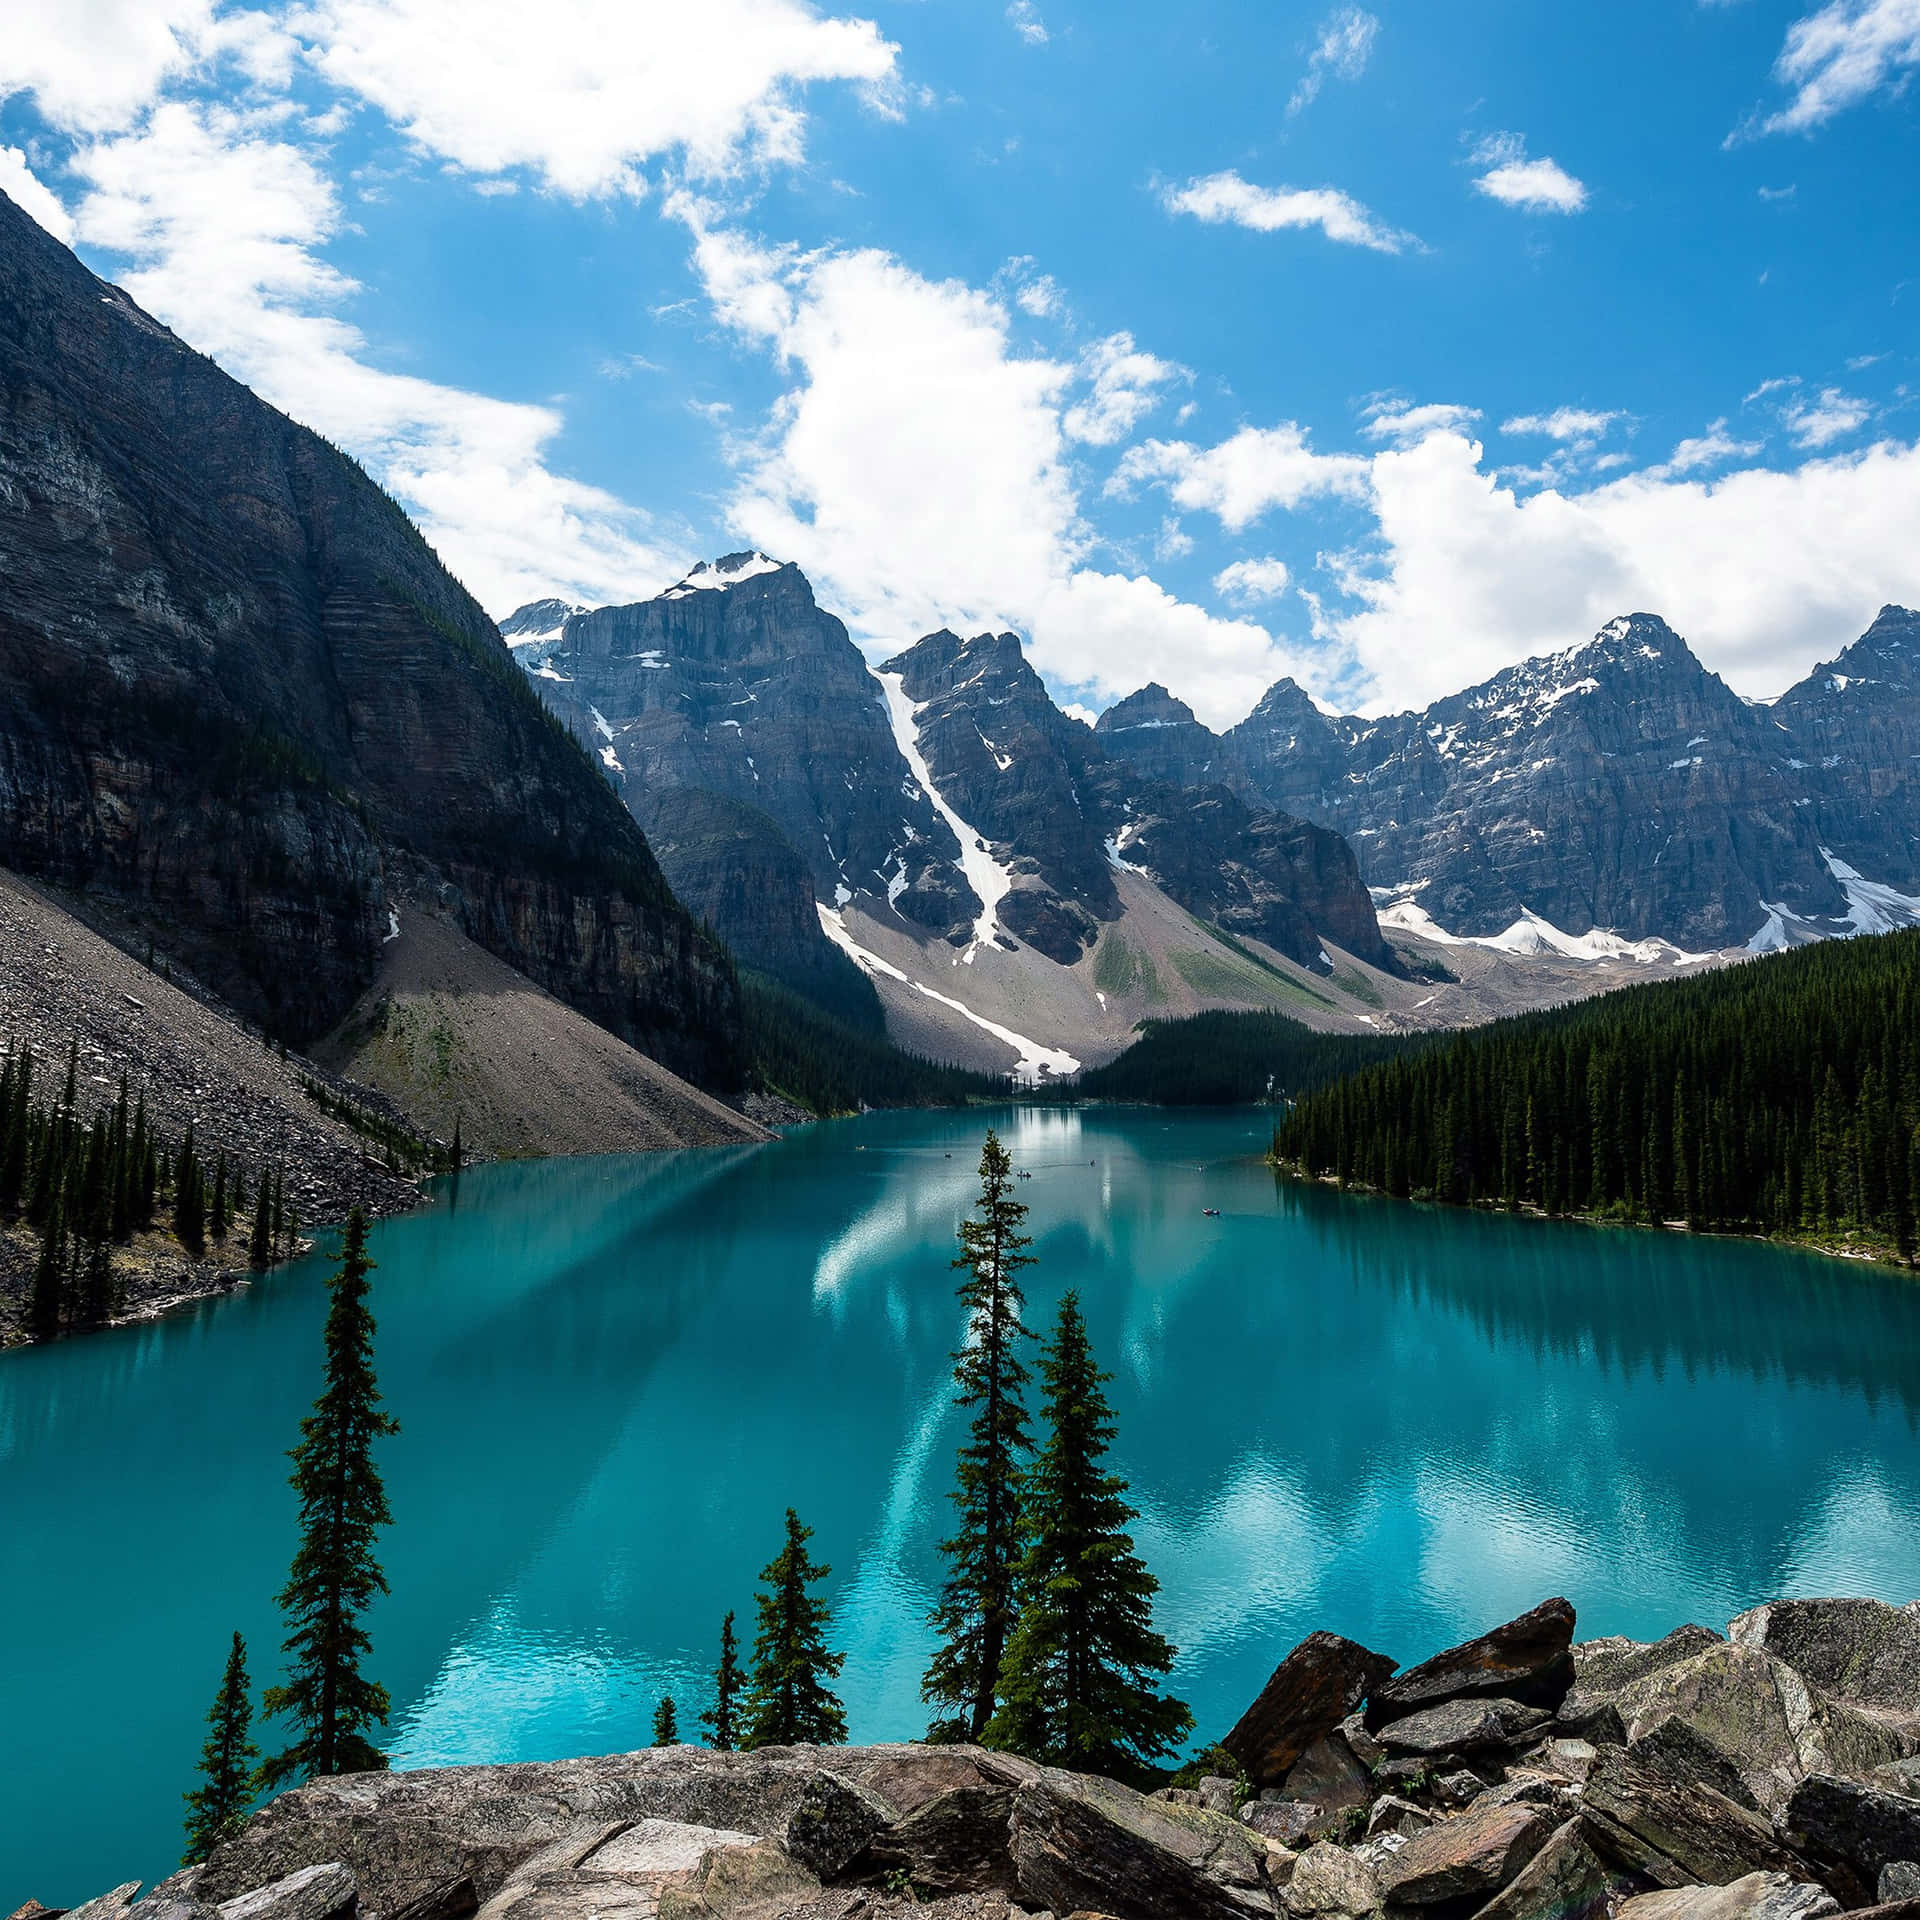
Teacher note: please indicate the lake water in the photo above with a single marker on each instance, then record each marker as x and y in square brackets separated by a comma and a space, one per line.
[614, 1375]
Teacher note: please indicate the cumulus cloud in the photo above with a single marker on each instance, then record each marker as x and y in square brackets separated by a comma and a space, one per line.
[1227, 199]
[1840, 55]
[1575, 424]
[1534, 186]
[1714, 448]
[93, 64]
[1241, 479]
[1830, 417]
[1341, 50]
[1125, 386]
[583, 92]
[1262, 579]
[918, 467]
[33, 196]
[223, 221]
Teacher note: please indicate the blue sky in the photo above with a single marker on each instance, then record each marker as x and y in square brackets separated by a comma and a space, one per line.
[1381, 345]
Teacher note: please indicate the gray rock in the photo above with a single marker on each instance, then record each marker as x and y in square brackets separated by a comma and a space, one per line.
[1329, 1880]
[106, 1906]
[1391, 1814]
[834, 1823]
[1899, 1880]
[1464, 1726]
[454, 1899]
[1360, 1743]
[956, 1843]
[1329, 1775]
[1085, 1844]
[326, 1892]
[1677, 1747]
[1309, 1693]
[1459, 1788]
[1755, 1896]
[1220, 1793]
[1604, 1669]
[1288, 1823]
[1526, 1660]
[1654, 1814]
[1861, 1651]
[1852, 1832]
[1473, 1856]
[1563, 1881]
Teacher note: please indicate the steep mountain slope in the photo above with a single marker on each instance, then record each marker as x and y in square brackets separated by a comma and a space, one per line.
[1856, 725]
[1158, 734]
[939, 815]
[1610, 796]
[245, 703]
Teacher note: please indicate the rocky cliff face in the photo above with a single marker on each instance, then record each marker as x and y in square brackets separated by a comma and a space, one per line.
[1615, 786]
[1158, 734]
[1856, 725]
[242, 696]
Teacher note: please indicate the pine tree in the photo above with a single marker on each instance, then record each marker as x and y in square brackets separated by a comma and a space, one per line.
[217, 1215]
[49, 1278]
[335, 1576]
[260, 1240]
[1077, 1682]
[790, 1704]
[666, 1723]
[456, 1154]
[189, 1200]
[724, 1716]
[220, 1803]
[975, 1613]
[13, 1163]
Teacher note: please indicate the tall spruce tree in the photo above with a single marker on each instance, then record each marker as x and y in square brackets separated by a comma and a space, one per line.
[220, 1802]
[189, 1199]
[790, 1703]
[666, 1723]
[45, 1301]
[1078, 1680]
[728, 1681]
[335, 1575]
[976, 1608]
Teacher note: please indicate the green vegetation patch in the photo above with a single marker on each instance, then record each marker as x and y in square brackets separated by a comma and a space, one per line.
[1122, 969]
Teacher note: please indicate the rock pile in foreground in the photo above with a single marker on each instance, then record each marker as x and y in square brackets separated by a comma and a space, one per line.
[1772, 1773]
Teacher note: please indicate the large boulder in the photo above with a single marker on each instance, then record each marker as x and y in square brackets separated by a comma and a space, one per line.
[1477, 1855]
[1763, 1715]
[1527, 1660]
[1655, 1813]
[1329, 1883]
[957, 1843]
[1310, 1692]
[1565, 1880]
[835, 1822]
[1861, 1651]
[1754, 1896]
[326, 1892]
[1465, 1726]
[1604, 1669]
[1852, 1832]
[1081, 1843]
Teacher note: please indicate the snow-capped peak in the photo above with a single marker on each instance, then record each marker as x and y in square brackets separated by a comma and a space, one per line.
[728, 571]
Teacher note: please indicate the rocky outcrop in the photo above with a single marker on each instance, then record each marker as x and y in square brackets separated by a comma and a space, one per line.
[243, 699]
[1311, 1691]
[1158, 736]
[1861, 1651]
[1528, 1660]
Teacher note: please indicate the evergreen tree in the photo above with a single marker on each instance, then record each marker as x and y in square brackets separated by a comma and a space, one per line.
[790, 1704]
[13, 1162]
[666, 1723]
[217, 1214]
[456, 1154]
[335, 1576]
[976, 1607]
[189, 1200]
[219, 1803]
[260, 1240]
[724, 1716]
[49, 1278]
[1078, 1679]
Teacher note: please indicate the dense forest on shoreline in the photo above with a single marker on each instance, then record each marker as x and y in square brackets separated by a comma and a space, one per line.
[1230, 1060]
[1781, 1096]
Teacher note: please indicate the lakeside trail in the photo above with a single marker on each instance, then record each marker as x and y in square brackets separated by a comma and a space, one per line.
[1770, 1773]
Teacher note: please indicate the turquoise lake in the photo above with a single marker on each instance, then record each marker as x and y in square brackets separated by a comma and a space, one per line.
[614, 1375]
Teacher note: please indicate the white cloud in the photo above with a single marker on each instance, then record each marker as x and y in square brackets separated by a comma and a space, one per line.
[584, 91]
[1762, 571]
[1578, 424]
[92, 65]
[33, 196]
[1342, 48]
[1534, 186]
[1400, 421]
[1226, 199]
[1024, 18]
[1263, 579]
[1714, 448]
[1126, 386]
[918, 468]
[1834, 415]
[223, 221]
[1839, 56]
[1259, 469]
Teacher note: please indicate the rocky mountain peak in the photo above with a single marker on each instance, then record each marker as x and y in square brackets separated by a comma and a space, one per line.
[733, 570]
[537, 620]
[1151, 706]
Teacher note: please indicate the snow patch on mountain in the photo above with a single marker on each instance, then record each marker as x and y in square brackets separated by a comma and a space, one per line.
[1036, 1061]
[716, 575]
[1532, 935]
[989, 879]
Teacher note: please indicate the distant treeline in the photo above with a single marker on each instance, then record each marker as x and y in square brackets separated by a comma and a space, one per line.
[829, 1065]
[1781, 1096]
[1231, 1059]
[86, 1186]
